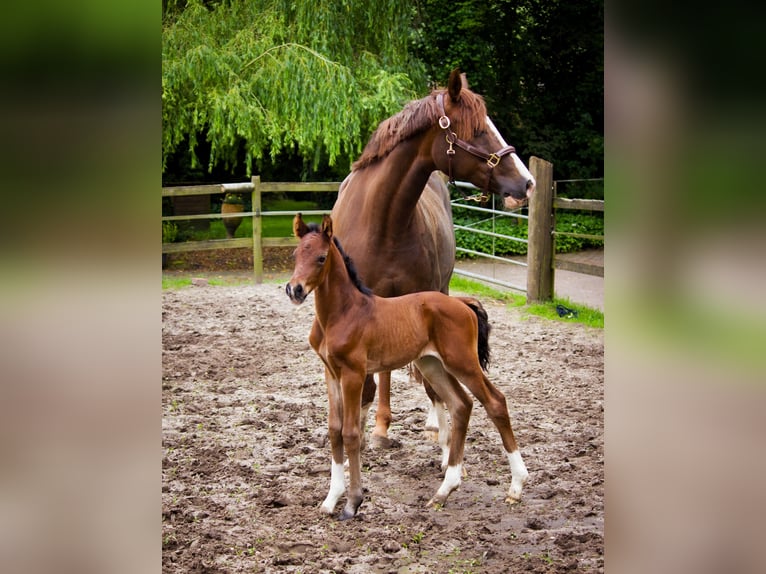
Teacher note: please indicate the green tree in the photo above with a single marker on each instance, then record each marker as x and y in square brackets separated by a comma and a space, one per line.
[248, 80]
[539, 64]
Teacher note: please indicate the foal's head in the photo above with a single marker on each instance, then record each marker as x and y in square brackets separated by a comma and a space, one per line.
[311, 259]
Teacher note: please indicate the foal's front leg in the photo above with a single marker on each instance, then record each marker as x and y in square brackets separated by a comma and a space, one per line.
[335, 427]
[351, 382]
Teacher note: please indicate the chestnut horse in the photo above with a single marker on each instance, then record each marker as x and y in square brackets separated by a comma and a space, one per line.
[356, 333]
[393, 212]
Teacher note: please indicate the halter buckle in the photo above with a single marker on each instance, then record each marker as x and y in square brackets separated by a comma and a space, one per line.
[450, 150]
[444, 122]
[493, 160]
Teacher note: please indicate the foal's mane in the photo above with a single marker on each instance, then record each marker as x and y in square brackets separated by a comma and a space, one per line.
[467, 117]
[350, 267]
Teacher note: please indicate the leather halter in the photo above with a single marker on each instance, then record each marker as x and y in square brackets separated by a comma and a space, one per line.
[492, 159]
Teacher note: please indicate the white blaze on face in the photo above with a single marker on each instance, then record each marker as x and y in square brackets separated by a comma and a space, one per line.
[520, 167]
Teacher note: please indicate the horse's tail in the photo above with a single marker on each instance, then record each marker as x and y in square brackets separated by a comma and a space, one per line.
[484, 329]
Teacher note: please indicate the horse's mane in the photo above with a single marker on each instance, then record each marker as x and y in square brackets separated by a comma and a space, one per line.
[350, 267]
[468, 118]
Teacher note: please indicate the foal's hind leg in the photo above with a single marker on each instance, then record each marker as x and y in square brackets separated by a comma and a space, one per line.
[495, 404]
[459, 404]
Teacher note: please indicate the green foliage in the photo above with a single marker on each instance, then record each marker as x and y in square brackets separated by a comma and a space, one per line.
[259, 78]
[233, 199]
[566, 222]
[539, 65]
[169, 232]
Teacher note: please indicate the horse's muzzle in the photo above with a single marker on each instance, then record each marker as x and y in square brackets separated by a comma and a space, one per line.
[296, 294]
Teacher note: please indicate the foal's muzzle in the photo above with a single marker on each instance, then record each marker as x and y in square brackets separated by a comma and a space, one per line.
[296, 294]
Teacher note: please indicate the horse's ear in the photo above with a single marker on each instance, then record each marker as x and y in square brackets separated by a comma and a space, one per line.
[299, 227]
[327, 226]
[456, 83]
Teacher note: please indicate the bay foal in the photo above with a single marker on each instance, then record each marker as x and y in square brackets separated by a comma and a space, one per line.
[356, 333]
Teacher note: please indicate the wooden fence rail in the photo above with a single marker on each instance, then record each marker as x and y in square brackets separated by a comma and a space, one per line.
[256, 188]
[541, 259]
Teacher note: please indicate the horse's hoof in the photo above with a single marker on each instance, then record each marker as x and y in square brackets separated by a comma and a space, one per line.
[512, 500]
[378, 441]
[436, 503]
[349, 511]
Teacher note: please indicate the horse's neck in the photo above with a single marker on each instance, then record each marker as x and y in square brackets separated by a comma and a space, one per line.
[336, 295]
[399, 181]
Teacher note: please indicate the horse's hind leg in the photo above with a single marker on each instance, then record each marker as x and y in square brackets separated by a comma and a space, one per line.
[368, 395]
[383, 414]
[437, 427]
[495, 404]
[459, 405]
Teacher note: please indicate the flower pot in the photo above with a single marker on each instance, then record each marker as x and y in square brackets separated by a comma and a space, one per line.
[231, 223]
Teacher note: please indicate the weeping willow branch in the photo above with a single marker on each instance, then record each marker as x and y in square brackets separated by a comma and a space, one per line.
[268, 52]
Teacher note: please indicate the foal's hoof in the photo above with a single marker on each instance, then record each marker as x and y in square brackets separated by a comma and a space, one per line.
[436, 503]
[512, 500]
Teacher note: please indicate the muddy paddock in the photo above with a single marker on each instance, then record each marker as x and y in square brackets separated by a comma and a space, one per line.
[246, 460]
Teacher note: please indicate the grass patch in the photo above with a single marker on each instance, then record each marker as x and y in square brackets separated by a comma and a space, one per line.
[582, 314]
[478, 289]
[175, 282]
[585, 315]
[172, 282]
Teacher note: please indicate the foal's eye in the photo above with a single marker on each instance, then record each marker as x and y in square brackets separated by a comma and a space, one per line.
[321, 259]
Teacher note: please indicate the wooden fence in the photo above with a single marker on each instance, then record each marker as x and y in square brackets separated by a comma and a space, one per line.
[256, 188]
[541, 260]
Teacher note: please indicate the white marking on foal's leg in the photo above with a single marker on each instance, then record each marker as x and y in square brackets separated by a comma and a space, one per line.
[451, 481]
[444, 433]
[432, 423]
[519, 475]
[337, 488]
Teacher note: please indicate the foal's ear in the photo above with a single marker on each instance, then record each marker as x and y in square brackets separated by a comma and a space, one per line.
[327, 226]
[299, 227]
[456, 83]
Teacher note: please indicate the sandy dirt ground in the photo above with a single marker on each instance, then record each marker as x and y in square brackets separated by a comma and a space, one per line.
[246, 460]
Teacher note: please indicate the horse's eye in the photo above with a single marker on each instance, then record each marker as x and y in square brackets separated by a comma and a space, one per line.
[321, 259]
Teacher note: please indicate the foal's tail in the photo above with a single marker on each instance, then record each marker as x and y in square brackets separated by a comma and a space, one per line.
[484, 329]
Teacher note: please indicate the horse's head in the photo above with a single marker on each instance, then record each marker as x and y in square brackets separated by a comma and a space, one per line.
[310, 257]
[469, 146]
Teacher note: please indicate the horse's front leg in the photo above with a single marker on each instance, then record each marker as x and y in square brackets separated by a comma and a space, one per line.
[335, 428]
[383, 415]
[352, 382]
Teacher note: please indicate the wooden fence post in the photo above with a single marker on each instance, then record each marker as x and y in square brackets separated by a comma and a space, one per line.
[257, 230]
[540, 254]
